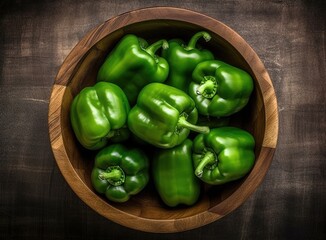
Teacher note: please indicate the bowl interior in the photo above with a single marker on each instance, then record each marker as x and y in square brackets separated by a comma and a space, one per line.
[147, 204]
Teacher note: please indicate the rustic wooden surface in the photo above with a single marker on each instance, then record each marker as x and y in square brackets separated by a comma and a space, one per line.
[36, 202]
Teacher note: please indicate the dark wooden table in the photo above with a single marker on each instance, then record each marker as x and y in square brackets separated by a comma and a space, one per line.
[37, 203]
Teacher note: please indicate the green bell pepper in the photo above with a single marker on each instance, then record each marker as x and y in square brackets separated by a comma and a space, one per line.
[131, 66]
[99, 114]
[183, 59]
[120, 172]
[224, 154]
[163, 116]
[173, 175]
[220, 89]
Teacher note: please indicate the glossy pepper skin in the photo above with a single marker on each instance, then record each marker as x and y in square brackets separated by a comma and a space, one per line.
[183, 59]
[131, 65]
[225, 154]
[220, 89]
[163, 116]
[99, 114]
[120, 172]
[173, 175]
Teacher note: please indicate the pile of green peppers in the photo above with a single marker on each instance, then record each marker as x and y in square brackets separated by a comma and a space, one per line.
[139, 114]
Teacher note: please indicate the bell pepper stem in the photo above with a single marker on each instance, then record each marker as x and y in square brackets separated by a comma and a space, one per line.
[208, 159]
[193, 41]
[183, 123]
[151, 49]
[114, 175]
[207, 87]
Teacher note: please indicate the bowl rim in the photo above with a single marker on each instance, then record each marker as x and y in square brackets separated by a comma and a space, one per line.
[162, 13]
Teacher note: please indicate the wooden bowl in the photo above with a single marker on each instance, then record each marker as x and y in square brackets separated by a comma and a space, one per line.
[145, 211]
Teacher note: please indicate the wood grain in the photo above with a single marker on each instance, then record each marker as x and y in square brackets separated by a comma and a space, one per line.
[80, 69]
[37, 203]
